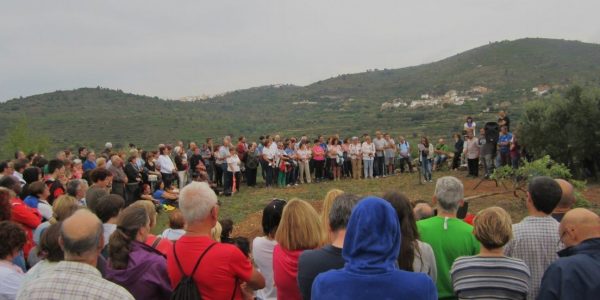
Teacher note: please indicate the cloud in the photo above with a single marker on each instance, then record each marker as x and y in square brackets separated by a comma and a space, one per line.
[172, 49]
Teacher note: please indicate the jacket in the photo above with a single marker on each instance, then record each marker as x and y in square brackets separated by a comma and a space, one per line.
[575, 275]
[146, 274]
[371, 248]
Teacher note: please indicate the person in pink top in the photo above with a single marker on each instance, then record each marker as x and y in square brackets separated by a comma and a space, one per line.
[318, 155]
[298, 230]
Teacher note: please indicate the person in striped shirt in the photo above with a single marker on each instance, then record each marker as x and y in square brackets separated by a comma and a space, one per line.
[491, 275]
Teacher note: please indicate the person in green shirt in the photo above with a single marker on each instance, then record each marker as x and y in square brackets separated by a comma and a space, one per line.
[441, 153]
[448, 236]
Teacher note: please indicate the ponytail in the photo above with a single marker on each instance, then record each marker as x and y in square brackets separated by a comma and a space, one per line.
[131, 220]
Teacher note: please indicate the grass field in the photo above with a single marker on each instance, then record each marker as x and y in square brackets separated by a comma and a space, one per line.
[245, 207]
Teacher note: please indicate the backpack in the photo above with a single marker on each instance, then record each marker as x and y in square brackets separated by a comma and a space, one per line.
[186, 289]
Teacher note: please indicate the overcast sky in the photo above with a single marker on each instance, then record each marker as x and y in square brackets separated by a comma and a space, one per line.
[180, 48]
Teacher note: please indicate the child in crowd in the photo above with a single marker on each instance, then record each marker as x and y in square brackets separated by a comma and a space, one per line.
[226, 229]
[168, 198]
[176, 226]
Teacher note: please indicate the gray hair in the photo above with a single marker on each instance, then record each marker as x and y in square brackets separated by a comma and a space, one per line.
[74, 186]
[341, 209]
[448, 192]
[82, 246]
[195, 201]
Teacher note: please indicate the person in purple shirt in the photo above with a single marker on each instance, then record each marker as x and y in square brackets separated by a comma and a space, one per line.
[134, 265]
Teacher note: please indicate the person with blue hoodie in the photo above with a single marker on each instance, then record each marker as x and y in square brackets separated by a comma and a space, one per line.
[371, 248]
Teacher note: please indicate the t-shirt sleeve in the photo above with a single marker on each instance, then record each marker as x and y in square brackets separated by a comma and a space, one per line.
[240, 265]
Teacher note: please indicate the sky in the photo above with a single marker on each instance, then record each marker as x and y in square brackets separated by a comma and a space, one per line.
[172, 49]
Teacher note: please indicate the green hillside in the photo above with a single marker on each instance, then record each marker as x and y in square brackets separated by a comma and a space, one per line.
[347, 104]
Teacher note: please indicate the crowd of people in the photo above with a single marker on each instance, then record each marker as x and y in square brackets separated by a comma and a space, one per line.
[92, 243]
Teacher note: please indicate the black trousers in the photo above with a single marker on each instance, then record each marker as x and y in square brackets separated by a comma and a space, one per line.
[456, 160]
[251, 176]
[473, 165]
[319, 164]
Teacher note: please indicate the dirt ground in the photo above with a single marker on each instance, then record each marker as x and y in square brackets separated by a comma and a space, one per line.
[251, 226]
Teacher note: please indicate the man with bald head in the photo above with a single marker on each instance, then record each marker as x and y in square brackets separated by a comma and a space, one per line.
[76, 277]
[566, 201]
[576, 274]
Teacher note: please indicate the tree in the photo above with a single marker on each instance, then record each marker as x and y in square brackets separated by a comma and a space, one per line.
[20, 137]
[567, 128]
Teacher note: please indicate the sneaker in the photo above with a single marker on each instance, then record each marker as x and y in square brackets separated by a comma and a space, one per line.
[168, 208]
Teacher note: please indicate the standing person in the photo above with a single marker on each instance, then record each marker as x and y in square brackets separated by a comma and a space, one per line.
[233, 172]
[252, 162]
[181, 164]
[223, 154]
[368, 153]
[389, 153]
[515, 152]
[222, 268]
[263, 246]
[379, 162]
[314, 262]
[458, 150]
[268, 155]
[448, 236]
[504, 146]
[134, 265]
[347, 166]
[299, 230]
[166, 166]
[371, 248]
[535, 238]
[404, 155]
[304, 155]
[486, 153]
[425, 153]
[318, 155]
[290, 151]
[414, 255]
[11, 276]
[472, 154]
[242, 150]
[208, 154]
[333, 152]
[498, 276]
[503, 120]
[469, 125]
[575, 274]
[355, 151]
[77, 276]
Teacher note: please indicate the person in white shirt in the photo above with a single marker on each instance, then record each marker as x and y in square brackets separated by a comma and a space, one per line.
[233, 172]
[356, 157]
[470, 125]
[176, 226]
[379, 162]
[11, 276]
[165, 165]
[368, 153]
[304, 155]
[268, 154]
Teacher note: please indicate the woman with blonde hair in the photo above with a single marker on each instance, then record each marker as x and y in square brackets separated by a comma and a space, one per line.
[298, 230]
[327, 204]
[498, 276]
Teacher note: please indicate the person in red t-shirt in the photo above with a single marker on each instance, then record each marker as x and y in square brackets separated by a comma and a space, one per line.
[224, 271]
[299, 230]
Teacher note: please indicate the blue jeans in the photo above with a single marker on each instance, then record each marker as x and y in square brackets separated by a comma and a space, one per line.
[368, 168]
[426, 168]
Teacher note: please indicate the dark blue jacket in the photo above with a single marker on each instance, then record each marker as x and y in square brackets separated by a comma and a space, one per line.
[371, 248]
[575, 275]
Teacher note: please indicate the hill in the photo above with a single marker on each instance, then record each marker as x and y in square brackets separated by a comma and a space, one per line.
[494, 76]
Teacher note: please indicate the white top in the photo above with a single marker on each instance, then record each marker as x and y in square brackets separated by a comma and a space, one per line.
[269, 153]
[233, 164]
[368, 149]
[38, 270]
[172, 234]
[222, 155]
[262, 250]
[304, 155]
[165, 164]
[355, 151]
[108, 230]
[45, 209]
[473, 126]
[11, 278]
[379, 143]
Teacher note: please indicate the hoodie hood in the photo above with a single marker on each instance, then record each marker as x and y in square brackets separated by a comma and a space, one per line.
[372, 241]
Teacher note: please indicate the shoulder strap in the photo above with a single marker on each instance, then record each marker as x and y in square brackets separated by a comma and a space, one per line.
[197, 263]
[157, 241]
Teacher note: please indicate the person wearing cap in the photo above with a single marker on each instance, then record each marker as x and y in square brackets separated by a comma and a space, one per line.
[448, 236]
[371, 249]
